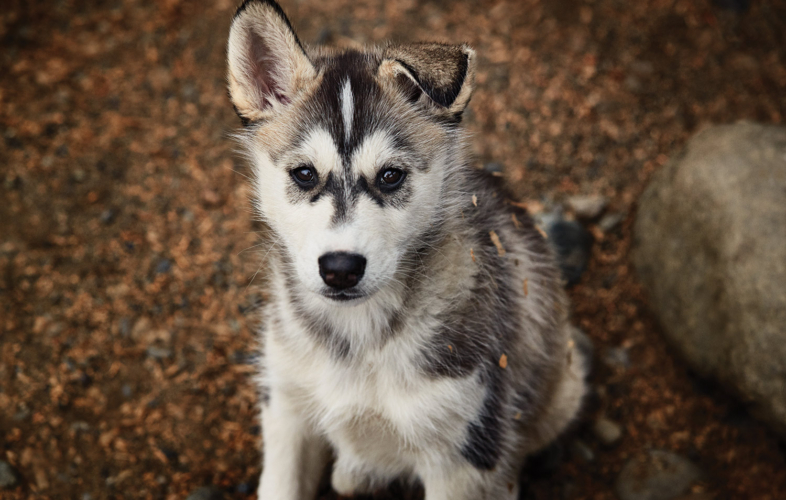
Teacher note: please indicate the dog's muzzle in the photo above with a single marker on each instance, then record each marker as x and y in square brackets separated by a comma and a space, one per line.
[341, 270]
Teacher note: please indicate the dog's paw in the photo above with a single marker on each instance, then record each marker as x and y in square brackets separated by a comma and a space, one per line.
[347, 481]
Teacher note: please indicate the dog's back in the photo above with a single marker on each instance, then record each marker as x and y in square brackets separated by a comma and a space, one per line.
[417, 325]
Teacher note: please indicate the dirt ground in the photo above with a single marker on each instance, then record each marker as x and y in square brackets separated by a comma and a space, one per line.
[127, 256]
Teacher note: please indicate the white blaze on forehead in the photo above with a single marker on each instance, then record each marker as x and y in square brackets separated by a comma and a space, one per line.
[347, 108]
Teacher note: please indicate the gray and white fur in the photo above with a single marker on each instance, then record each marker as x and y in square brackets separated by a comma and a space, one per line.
[416, 326]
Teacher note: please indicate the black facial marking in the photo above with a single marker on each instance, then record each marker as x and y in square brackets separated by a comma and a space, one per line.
[334, 187]
[326, 106]
[362, 187]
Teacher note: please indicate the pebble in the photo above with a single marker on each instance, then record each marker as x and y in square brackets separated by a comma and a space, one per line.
[127, 391]
[8, 477]
[571, 242]
[107, 216]
[21, 415]
[163, 266]
[657, 475]
[205, 493]
[587, 206]
[244, 489]
[616, 357]
[607, 431]
[80, 426]
[159, 352]
[124, 327]
[610, 221]
[494, 168]
[583, 451]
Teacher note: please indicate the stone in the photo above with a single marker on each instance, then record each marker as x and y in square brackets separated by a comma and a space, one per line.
[587, 206]
[709, 240]
[205, 493]
[163, 266]
[610, 221]
[107, 216]
[582, 451]
[570, 241]
[8, 476]
[156, 352]
[616, 357]
[607, 431]
[656, 475]
[494, 168]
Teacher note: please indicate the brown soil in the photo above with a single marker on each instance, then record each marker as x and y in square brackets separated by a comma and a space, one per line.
[126, 340]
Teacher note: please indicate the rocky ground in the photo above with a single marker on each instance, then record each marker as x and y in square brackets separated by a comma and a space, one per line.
[127, 258]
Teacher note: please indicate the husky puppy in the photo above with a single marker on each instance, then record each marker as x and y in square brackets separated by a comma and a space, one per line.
[416, 325]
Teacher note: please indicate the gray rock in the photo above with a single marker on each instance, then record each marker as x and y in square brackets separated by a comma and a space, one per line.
[610, 221]
[616, 357]
[8, 477]
[159, 352]
[587, 206]
[127, 391]
[570, 241]
[494, 167]
[80, 426]
[205, 493]
[709, 243]
[657, 475]
[607, 431]
[583, 451]
[21, 415]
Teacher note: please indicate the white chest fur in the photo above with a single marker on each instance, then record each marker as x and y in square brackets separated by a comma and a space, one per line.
[376, 405]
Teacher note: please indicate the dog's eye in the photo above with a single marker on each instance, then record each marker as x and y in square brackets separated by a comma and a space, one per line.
[390, 179]
[305, 176]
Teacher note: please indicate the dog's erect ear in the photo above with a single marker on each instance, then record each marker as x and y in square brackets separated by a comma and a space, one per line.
[267, 66]
[444, 73]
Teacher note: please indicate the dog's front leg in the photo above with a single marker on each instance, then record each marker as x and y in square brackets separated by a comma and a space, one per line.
[453, 480]
[294, 456]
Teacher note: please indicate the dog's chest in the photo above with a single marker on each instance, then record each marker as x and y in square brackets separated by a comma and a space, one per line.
[380, 400]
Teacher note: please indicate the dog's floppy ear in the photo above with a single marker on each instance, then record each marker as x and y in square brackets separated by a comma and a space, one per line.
[267, 65]
[444, 73]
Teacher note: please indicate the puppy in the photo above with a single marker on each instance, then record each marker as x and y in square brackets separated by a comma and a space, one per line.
[416, 326]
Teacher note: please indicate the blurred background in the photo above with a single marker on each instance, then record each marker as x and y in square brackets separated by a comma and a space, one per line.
[127, 259]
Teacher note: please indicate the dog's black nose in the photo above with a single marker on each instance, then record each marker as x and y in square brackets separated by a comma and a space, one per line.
[341, 270]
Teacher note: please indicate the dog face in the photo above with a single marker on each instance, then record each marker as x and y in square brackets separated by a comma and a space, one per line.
[350, 150]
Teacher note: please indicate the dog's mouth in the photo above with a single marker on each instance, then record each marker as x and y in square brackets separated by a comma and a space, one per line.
[343, 295]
